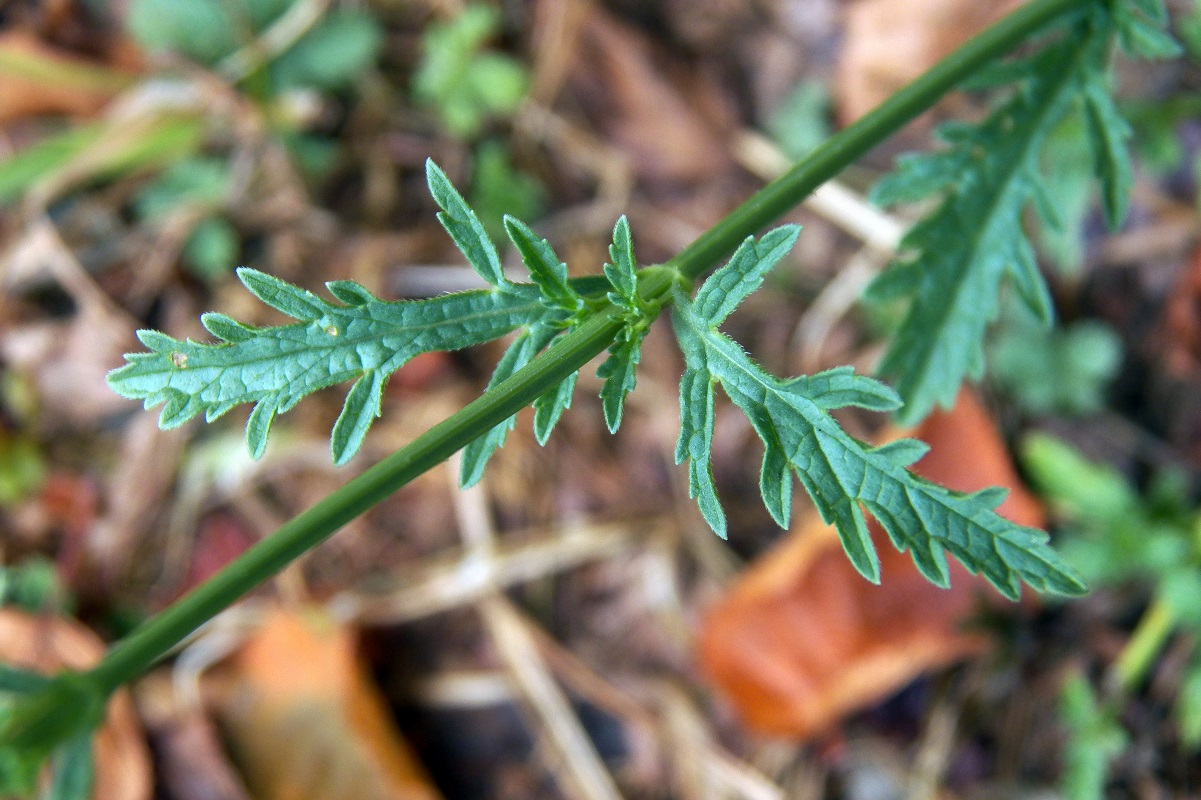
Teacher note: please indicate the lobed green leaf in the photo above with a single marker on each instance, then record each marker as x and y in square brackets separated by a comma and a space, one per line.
[841, 474]
[1108, 136]
[550, 407]
[465, 228]
[621, 269]
[547, 271]
[275, 367]
[618, 375]
[975, 239]
[618, 370]
[743, 274]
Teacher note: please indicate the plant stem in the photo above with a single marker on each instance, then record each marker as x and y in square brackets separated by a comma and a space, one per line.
[833, 155]
[132, 655]
[155, 638]
[1149, 637]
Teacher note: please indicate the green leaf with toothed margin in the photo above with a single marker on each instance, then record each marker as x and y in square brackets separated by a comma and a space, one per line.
[618, 370]
[275, 367]
[988, 176]
[621, 269]
[465, 228]
[547, 271]
[550, 407]
[841, 474]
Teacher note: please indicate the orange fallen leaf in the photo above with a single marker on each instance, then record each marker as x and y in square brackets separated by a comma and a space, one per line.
[802, 639]
[49, 644]
[888, 44]
[305, 721]
[36, 78]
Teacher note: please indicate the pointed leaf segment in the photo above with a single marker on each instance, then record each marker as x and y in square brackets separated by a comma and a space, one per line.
[841, 474]
[567, 309]
[989, 174]
[358, 337]
[626, 351]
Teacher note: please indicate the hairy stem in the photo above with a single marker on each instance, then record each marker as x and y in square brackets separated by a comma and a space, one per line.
[158, 636]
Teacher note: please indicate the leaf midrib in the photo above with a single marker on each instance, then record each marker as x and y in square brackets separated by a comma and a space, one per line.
[979, 233]
[336, 342]
[942, 498]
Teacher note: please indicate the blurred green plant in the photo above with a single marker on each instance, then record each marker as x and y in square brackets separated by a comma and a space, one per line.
[801, 121]
[498, 188]
[22, 464]
[98, 151]
[276, 52]
[1067, 163]
[1119, 538]
[196, 189]
[1059, 370]
[465, 84]
[22, 468]
[34, 587]
[1095, 738]
[1188, 29]
[327, 55]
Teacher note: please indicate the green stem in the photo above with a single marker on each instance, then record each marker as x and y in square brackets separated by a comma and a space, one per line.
[1152, 632]
[153, 640]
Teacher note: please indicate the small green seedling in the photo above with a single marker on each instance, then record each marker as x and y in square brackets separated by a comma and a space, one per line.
[1118, 538]
[464, 83]
[328, 55]
[1059, 370]
[498, 188]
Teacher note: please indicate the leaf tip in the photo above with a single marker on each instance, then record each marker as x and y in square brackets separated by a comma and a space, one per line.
[433, 173]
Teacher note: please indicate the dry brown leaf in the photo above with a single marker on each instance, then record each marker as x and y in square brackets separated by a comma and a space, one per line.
[190, 759]
[802, 639]
[670, 125]
[48, 644]
[1174, 350]
[305, 721]
[888, 44]
[1181, 336]
[67, 359]
[36, 78]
